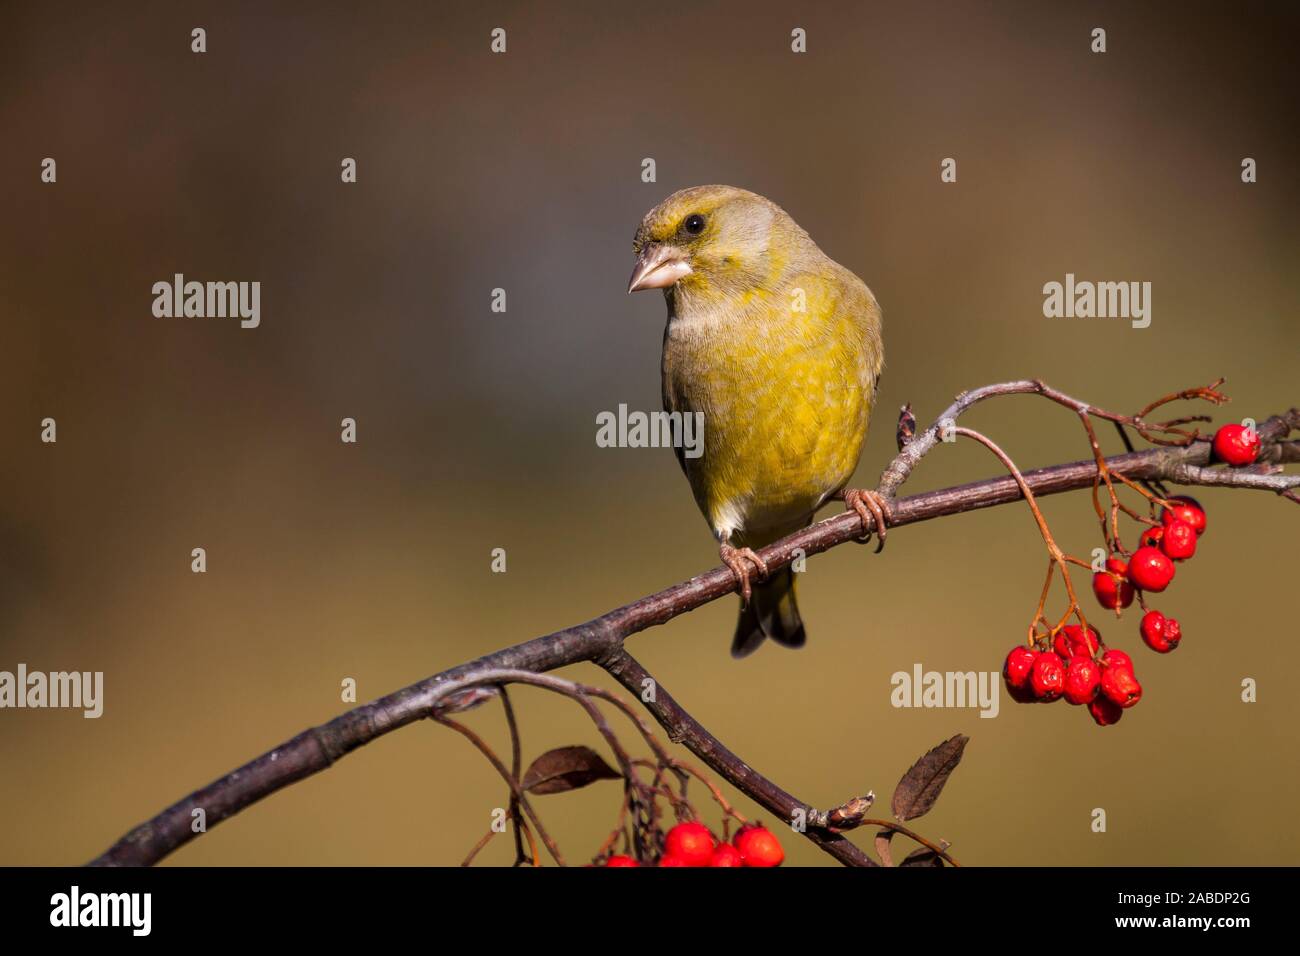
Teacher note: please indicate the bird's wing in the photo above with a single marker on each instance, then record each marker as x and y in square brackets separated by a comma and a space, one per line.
[845, 335]
[847, 324]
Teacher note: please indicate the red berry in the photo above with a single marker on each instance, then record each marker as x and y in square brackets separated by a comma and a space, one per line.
[1082, 680]
[1186, 509]
[1048, 676]
[1150, 569]
[1116, 658]
[1016, 669]
[1173, 632]
[1179, 541]
[691, 842]
[1161, 633]
[1105, 711]
[1152, 629]
[1070, 642]
[621, 861]
[1111, 586]
[1236, 444]
[671, 860]
[1121, 685]
[1150, 538]
[759, 847]
[726, 855]
[1022, 695]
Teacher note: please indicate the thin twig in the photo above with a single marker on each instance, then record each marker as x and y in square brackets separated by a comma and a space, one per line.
[911, 835]
[516, 771]
[515, 788]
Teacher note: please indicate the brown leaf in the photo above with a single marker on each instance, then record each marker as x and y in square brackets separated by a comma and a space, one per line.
[567, 768]
[922, 857]
[921, 786]
[882, 847]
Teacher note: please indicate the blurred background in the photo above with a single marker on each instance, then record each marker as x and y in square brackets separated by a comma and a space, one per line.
[477, 429]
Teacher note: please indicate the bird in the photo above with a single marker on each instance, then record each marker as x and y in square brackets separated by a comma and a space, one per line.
[780, 347]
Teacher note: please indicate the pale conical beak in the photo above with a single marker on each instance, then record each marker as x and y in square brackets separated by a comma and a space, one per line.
[657, 267]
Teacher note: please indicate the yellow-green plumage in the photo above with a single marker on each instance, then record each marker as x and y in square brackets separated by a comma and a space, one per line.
[779, 346]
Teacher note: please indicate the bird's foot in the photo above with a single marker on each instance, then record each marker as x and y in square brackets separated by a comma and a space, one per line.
[735, 559]
[870, 506]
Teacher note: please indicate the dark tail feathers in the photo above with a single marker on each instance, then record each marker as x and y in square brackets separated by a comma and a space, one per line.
[771, 612]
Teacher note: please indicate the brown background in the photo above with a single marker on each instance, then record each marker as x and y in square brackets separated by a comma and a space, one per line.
[477, 430]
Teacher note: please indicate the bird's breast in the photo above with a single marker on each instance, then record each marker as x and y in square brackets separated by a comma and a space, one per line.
[784, 411]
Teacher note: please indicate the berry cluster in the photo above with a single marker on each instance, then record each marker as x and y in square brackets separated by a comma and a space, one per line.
[1071, 661]
[693, 844]
[1151, 567]
[1077, 666]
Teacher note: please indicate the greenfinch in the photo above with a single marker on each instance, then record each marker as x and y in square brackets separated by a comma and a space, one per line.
[780, 348]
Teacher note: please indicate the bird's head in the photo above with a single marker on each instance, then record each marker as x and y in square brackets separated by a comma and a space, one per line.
[714, 240]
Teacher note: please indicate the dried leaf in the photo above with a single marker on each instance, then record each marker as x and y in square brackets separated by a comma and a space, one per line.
[567, 768]
[922, 857]
[882, 847]
[920, 787]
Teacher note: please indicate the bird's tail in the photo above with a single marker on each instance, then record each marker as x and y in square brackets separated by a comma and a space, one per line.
[771, 612]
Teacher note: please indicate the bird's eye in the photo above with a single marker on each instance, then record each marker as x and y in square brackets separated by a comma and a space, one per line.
[694, 224]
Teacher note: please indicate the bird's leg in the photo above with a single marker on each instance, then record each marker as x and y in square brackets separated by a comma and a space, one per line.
[735, 559]
[869, 504]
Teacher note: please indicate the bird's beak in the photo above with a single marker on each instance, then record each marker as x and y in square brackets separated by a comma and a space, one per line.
[658, 267]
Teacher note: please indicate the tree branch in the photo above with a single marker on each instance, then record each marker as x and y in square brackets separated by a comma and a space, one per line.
[684, 729]
[601, 639]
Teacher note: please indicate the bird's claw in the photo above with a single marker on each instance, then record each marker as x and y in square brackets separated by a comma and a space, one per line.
[735, 559]
[872, 508]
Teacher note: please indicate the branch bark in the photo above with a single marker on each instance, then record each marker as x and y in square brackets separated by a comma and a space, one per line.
[600, 640]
